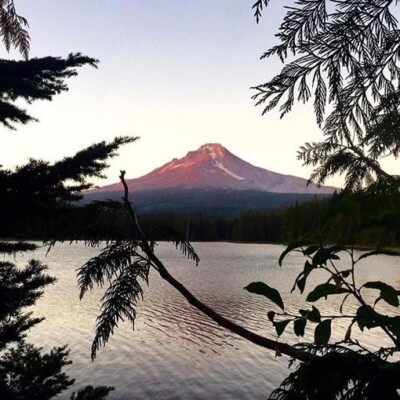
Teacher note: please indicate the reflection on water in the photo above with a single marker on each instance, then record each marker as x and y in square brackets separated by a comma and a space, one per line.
[175, 352]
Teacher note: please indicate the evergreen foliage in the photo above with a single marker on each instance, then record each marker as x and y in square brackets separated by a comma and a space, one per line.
[344, 54]
[258, 7]
[283, 226]
[92, 393]
[32, 80]
[40, 182]
[19, 288]
[349, 58]
[12, 28]
[26, 373]
[122, 266]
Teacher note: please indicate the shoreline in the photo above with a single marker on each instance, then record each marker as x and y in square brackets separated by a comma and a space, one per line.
[356, 247]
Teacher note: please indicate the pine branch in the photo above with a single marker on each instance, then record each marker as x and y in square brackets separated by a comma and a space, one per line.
[40, 182]
[299, 26]
[119, 301]
[32, 80]
[349, 58]
[349, 40]
[112, 260]
[12, 28]
[258, 8]
[11, 248]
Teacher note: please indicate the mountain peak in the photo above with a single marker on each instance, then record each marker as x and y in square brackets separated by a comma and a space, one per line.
[212, 150]
[215, 146]
[213, 166]
[212, 147]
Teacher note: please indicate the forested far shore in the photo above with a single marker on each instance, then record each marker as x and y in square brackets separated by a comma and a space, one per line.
[280, 226]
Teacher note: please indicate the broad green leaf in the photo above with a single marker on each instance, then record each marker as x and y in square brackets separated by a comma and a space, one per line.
[308, 267]
[313, 315]
[263, 289]
[394, 325]
[367, 317]
[322, 332]
[299, 326]
[293, 246]
[301, 283]
[387, 292]
[348, 332]
[281, 326]
[302, 278]
[325, 290]
[323, 255]
[346, 273]
[271, 315]
[310, 250]
[378, 252]
[362, 317]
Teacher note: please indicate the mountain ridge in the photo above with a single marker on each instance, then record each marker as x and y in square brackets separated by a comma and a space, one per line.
[212, 166]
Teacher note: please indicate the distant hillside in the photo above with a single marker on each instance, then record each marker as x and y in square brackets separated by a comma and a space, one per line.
[210, 203]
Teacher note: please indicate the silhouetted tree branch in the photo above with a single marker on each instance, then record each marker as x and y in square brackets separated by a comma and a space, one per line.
[343, 56]
[32, 80]
[12, 28]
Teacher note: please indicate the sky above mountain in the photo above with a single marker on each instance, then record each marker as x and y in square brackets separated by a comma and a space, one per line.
[176, 73]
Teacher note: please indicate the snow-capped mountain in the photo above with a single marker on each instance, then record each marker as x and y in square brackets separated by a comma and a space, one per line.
[212, 166]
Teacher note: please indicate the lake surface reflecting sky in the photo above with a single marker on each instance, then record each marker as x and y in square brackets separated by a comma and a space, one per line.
[175, 352]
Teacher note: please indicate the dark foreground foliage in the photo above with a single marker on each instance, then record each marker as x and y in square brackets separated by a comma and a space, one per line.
[343, 55]
[26, 372]
[349, 57]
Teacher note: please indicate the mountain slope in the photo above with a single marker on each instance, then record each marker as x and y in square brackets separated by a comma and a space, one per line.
[212, 166]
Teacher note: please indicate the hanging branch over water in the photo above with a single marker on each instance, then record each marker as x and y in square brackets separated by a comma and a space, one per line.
[123, 262]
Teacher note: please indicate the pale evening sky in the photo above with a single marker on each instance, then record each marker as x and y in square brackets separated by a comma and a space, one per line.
[176, 73]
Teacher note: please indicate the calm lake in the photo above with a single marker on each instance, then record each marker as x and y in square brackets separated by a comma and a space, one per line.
[175, 352]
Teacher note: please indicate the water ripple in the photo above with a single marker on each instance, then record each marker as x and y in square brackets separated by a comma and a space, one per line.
[175, 352]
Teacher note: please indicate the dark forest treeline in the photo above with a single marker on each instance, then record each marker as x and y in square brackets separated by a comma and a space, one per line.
[282, 226]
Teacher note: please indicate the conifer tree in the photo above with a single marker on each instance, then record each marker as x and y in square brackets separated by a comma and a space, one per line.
[26, 373]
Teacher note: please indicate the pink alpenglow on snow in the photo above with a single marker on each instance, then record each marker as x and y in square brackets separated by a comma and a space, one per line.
[212, 166]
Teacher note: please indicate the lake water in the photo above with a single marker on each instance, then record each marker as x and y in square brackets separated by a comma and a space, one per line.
[175, 352]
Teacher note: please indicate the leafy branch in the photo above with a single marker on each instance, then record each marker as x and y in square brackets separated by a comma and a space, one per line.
[346, 354]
